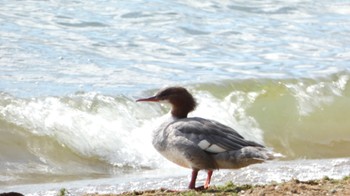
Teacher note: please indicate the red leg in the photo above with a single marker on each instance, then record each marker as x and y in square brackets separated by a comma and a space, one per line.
[192, 184]
[207, 181]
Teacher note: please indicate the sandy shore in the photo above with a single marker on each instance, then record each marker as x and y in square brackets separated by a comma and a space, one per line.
[325, 186]
[271, 178]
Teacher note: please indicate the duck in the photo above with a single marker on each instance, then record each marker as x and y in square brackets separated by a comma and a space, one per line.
[198, 143]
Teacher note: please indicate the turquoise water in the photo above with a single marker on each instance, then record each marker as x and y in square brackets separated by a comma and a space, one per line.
[276, 71]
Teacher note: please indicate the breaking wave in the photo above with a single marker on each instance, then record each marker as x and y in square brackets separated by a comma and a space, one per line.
[91, 134]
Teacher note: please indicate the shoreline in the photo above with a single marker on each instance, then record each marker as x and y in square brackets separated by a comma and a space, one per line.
[269, 173]
[324, 186]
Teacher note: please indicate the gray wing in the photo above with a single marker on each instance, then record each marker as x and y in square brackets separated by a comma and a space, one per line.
[210, 135]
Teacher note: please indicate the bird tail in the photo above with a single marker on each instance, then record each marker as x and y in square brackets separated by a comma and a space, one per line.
[273, 155]
[244, 157]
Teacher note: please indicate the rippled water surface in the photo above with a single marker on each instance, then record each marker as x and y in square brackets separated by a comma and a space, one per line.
[276, 71]
[58, 47]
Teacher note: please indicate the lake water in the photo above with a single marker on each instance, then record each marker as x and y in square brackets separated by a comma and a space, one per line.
[276, 71]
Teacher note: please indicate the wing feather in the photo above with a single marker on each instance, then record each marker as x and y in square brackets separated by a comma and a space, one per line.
[199, 129]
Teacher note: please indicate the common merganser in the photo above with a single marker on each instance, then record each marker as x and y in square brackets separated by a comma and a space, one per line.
[201, 144]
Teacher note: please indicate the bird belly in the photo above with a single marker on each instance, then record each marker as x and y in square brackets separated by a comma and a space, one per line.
[176, 157]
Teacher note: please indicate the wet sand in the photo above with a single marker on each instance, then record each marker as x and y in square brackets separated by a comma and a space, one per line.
[325, 186]
[272, 177]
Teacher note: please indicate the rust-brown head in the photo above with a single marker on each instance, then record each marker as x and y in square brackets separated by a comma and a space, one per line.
[181, 100]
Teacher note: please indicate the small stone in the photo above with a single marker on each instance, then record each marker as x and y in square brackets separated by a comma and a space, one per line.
[333, 191]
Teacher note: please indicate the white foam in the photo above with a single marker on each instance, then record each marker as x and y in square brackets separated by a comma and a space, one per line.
[116, 130]
[91, 125]
[231, 111]
[313, 97]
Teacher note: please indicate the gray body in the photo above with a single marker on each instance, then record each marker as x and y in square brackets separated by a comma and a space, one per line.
[199, 143]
